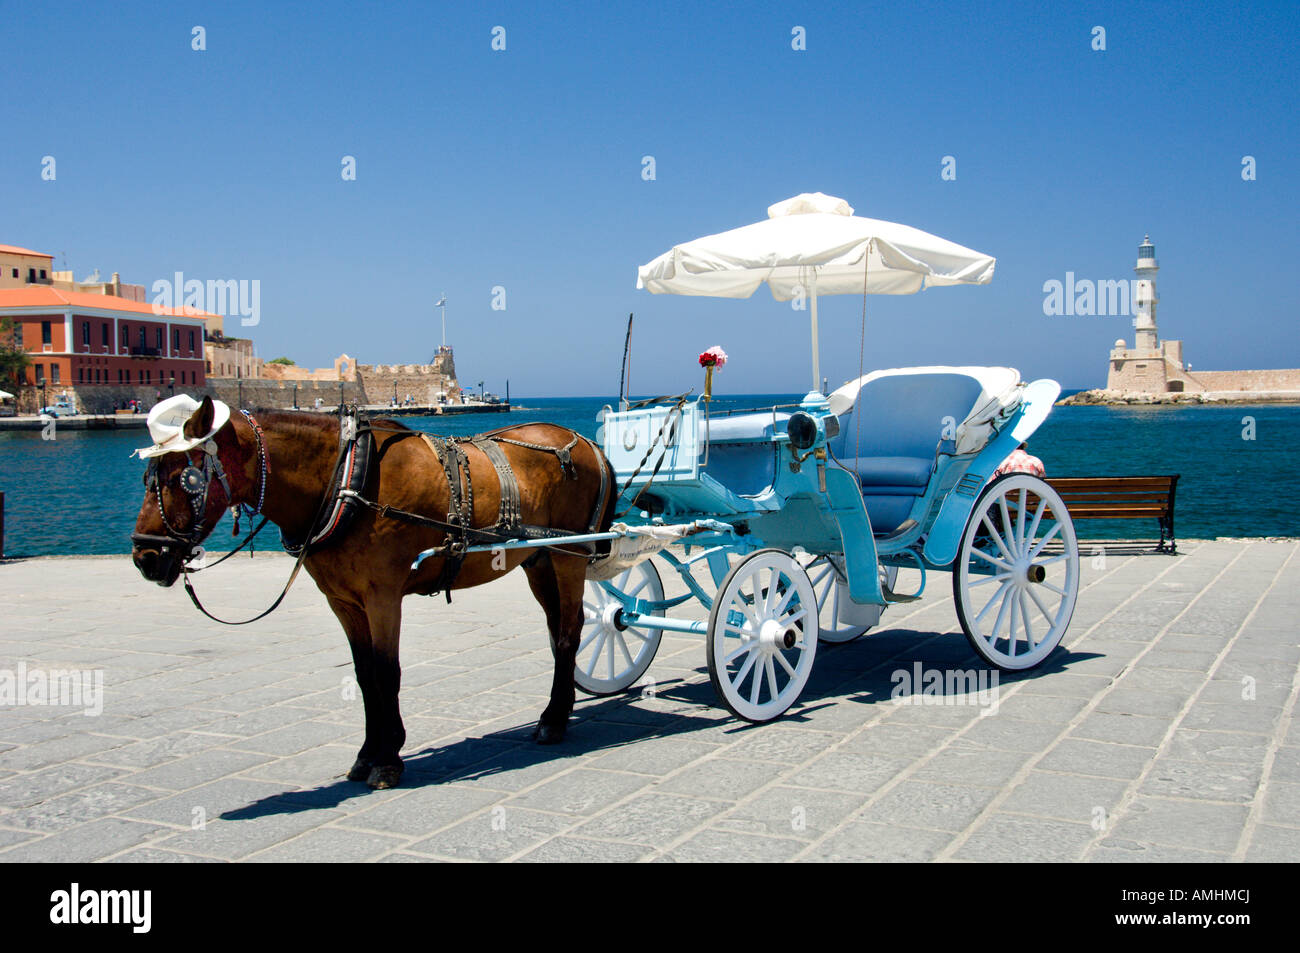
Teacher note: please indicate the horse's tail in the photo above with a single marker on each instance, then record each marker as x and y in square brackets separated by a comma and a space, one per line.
[611, 500]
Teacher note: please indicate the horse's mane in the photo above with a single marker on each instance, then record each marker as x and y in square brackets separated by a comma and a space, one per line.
[311, 421]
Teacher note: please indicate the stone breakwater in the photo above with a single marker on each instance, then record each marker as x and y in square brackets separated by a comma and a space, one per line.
[1124, 398]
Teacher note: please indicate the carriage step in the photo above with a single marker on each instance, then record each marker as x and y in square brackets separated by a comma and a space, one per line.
[891, 596]
[902, 529]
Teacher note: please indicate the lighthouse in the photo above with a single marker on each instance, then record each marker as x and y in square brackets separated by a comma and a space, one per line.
[1151, 366]
[1145, 298]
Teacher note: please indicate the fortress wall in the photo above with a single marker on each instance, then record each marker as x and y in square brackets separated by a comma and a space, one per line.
[279, 394]
[1274, 380]
[105, 399]
[422, 381]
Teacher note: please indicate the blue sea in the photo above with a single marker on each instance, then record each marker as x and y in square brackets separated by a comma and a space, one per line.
[1239, 466]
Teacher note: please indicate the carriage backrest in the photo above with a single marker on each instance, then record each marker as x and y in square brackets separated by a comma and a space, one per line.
[905, 415]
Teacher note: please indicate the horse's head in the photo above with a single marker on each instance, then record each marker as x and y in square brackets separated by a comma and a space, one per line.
[185, 485]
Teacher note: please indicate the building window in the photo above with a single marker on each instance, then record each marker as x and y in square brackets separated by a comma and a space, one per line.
[14, 272]
[31, 276]
[85, 333]
[144, 338]
[18, 335]
[45, 332]
[191, 342]
[54, 373]
[42, 274]
[40, 373]
[158, 339]
[103, 329]
[176, 340]
[142, 377]
[81, 375]
[126, 336]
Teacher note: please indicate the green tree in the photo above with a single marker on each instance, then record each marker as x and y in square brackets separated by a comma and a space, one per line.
[281, 360]
[13, 359]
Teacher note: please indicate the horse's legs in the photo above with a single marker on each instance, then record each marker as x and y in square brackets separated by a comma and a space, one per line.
[385, 733]
[357, 628]
[557, 582]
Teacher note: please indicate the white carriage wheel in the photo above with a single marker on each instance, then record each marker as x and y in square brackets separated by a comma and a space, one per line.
[611, 659]
[824, 572]
[1017, 609]
[762, 635]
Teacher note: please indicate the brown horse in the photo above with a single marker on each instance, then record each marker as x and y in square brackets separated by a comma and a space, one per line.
[366, 573]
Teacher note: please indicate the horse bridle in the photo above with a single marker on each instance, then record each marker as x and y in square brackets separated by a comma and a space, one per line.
[196, 481]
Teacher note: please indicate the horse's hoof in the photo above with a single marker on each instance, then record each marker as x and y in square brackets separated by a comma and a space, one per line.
[384, 776]
[360, 770]
[545, 734]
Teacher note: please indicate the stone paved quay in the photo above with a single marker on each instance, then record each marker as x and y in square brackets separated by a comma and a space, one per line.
[1164, 731]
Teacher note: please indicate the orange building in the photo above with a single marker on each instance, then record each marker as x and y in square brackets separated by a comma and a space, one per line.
[78, 338]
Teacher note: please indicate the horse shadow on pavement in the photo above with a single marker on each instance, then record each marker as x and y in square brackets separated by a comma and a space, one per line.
[857, 672]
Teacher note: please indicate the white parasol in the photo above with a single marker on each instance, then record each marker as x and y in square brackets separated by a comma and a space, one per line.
[809, 245]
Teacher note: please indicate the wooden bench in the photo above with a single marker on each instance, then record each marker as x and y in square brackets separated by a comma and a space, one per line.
[1122, 498]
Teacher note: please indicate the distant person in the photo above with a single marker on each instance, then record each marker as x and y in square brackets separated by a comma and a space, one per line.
[1021, 461]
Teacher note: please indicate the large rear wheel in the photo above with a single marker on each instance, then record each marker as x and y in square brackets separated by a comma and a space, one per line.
[1016, 576]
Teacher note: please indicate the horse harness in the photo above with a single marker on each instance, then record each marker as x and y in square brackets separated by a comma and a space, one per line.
[355, 458]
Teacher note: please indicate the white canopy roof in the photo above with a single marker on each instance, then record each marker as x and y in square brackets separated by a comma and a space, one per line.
[1000, 394]
[814, 243]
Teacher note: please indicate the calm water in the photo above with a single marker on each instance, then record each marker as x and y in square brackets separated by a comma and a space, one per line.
[79, 494]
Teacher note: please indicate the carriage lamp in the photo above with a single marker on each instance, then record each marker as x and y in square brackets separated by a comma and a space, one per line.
[802, 428]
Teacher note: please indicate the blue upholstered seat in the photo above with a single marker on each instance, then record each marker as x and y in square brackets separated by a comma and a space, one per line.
[902, 419]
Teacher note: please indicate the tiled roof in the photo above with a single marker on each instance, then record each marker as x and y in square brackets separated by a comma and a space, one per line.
[15, 250]
[43, 296]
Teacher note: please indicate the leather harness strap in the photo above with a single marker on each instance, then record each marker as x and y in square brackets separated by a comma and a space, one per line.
[508, 515]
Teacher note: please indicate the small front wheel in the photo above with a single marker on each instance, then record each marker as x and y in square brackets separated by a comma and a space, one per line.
[1016, 575]
[762, 636]
[612, 656]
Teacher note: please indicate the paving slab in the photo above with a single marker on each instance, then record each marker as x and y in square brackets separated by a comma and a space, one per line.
[1164, 729]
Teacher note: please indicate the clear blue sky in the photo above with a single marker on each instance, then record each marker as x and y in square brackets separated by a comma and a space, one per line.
[523, 169]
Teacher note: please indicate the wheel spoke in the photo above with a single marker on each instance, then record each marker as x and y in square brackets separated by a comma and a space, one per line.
[985, 580]
[1038, 516]
[997, 538]
[744, 669]
[989, 605]
[594, 634]
[780, 657]
[756, 682]
[1002, 609]
[1020, 522]
[1024, 618]
[797, 616]
[1041, 608]
[1056, 589]
[1038, 546]
[595, 655]
[622, 644]
[1012, 638]
[993, 559]
[1008, 531]
[771, 678]
[736, 652]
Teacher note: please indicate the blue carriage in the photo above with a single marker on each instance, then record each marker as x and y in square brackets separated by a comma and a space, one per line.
[790, 524]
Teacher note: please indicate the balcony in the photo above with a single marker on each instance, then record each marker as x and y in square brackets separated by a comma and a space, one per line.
[146, 352]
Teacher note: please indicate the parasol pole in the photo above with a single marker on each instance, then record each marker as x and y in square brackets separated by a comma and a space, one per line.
[816, 368]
